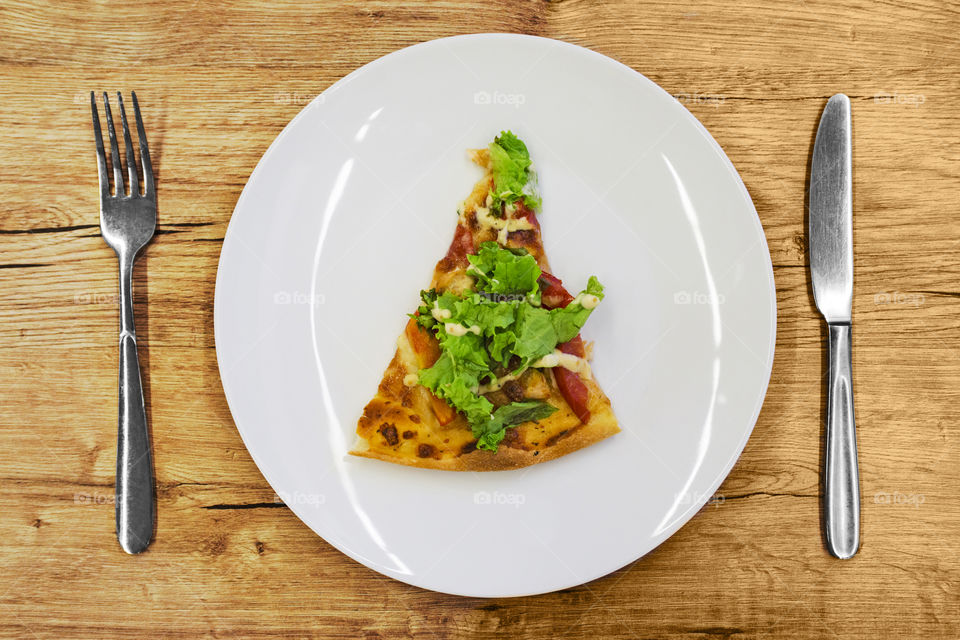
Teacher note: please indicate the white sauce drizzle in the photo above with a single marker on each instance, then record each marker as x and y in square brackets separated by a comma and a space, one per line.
[496, 385]
[411, 379]
[456, 329]
[567, 361]
[587, 300]
[440, 314]
[503, 225]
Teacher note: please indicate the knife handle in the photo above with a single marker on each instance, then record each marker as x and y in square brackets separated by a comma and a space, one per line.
[842, 478]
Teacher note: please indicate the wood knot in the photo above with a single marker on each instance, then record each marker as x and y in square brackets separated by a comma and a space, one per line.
[217, 545]
[800, 242]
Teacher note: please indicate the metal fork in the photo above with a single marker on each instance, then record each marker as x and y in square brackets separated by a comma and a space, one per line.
[127, 222]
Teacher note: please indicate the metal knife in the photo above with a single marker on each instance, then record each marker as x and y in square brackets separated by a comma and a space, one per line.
[831, 267]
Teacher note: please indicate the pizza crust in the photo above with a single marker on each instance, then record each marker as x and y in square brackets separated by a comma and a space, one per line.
[599, 428]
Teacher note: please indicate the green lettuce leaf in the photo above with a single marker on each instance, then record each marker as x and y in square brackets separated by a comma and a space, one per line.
[454, 382]
[441, 373]
[460, 394]
[512, 177]
[536, 335]
[505, 272]
[514, 148]
[489, 436]
[501, 347]
[495, 316]
[568, 320]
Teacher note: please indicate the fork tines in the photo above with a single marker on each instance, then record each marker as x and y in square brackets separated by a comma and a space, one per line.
[120, 190]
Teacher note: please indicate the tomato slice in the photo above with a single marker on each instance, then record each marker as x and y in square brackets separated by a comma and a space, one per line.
[523, 211]
[552, 292]
[460, 248]
[572, 388]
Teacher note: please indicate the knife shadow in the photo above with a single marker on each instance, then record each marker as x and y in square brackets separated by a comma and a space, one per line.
[823, 335]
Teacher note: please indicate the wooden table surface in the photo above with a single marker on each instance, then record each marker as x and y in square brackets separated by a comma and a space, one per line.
[219, 82]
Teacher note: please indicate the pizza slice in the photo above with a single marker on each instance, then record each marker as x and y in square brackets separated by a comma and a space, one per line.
[490, 372]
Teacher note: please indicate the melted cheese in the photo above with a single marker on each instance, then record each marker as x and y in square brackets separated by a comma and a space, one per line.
[567, 361]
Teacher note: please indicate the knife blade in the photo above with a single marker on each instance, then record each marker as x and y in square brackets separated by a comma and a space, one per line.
[831, 272]
[831, 212]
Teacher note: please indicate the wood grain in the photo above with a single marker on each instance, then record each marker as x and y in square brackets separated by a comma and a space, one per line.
[230, 561]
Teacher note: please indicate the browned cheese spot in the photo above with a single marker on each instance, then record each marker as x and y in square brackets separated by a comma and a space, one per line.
[389, 433]
[511, 438]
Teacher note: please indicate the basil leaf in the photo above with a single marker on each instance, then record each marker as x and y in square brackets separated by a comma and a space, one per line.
[491, 432]
[520, 412]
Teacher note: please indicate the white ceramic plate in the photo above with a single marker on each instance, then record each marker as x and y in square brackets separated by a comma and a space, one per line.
[338, 229]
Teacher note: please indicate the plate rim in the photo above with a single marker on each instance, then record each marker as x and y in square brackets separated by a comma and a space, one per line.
[682, 518]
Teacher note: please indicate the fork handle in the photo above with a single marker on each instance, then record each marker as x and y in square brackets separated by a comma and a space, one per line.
[841, 476]
[135, 491]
